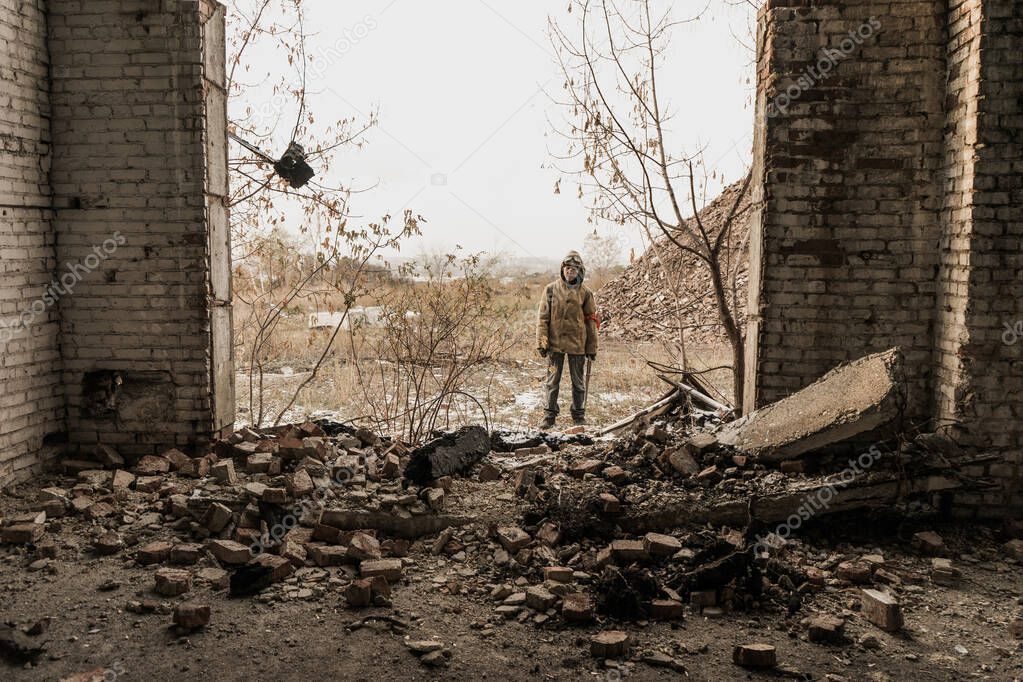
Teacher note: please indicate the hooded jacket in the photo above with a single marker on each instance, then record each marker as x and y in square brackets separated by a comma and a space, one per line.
[567, 321]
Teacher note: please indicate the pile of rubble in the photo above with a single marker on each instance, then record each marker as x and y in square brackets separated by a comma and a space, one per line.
[666, 284]
[679, 515]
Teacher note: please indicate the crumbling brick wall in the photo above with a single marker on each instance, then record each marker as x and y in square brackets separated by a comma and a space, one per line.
[31, 401]
[134, 220]
[888, 194]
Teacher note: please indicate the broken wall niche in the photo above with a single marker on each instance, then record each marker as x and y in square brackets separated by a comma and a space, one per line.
[889, 213]
[119, 118]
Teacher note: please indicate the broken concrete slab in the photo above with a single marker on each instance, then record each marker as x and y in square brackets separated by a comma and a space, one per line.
[851, 399]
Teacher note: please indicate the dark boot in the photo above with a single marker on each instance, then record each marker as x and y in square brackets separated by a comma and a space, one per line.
[547, 423]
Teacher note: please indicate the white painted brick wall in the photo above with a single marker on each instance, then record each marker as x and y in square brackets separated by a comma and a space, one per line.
[121, 160]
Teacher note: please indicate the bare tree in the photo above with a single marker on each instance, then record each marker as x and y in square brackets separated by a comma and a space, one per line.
[330, 255]
[440, 332]
[629, 172]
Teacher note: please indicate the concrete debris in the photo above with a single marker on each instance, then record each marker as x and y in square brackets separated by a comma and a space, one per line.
[850, 400]
[663, 523]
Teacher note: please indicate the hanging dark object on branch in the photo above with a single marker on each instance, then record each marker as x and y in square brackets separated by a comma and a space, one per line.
[292, 165]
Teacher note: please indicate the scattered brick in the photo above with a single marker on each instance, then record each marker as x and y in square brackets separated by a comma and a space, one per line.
[657, 544]
[929, 543]
[388, 568]
[185, 553]
[229, 551]
[513, 538]
[881, 609]
[628, 551]
[171, 582]
[610, 644]
[151, 464]
[755, 656]
[192, 615]
[363, 546]
[827, 629]
[489, 472]
[223, 471]
[155, 552]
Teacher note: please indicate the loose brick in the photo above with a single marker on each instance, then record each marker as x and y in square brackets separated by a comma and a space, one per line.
[155, 552]
[388, 568]
[513, 538]
[883, 610]
[223, 471]
[610, 644]
[666, 609]
[171, 582]
[826, 629]
[192, 615]
[577, 607]
[657, 544]
[217, 517]
[150, 465]
[185, 553]
[628, 551]
[229, 551]
[755, 656]
[363, 546]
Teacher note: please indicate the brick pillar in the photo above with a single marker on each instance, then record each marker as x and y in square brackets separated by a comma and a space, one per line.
[138, 174]
[890, 212]
[846, 153]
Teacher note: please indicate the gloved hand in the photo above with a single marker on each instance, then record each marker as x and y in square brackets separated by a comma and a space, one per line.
[592, 357]
[542, 352]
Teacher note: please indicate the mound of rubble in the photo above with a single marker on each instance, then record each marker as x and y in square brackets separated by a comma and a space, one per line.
[667, 287]
[671, 520]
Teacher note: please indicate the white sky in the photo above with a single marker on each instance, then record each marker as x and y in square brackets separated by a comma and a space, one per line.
[464, 136]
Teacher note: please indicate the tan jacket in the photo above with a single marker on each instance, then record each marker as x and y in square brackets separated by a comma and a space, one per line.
[562, 325]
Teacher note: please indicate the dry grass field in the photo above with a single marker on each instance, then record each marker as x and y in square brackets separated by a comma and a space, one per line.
[355, 381]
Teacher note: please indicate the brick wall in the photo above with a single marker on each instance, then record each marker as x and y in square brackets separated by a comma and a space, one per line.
[890, 208]
[115, 183]
[31, 404]
[852, 93]
[984, 390]
[129, 179]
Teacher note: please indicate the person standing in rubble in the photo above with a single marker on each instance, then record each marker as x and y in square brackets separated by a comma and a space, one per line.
[567, 326]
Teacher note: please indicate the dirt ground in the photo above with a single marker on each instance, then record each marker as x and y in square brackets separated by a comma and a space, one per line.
[300, 629]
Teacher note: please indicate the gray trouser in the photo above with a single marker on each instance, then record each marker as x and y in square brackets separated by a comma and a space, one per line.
[577, 370]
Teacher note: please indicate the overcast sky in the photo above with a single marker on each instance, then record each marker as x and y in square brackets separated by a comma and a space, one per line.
[464, 136]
